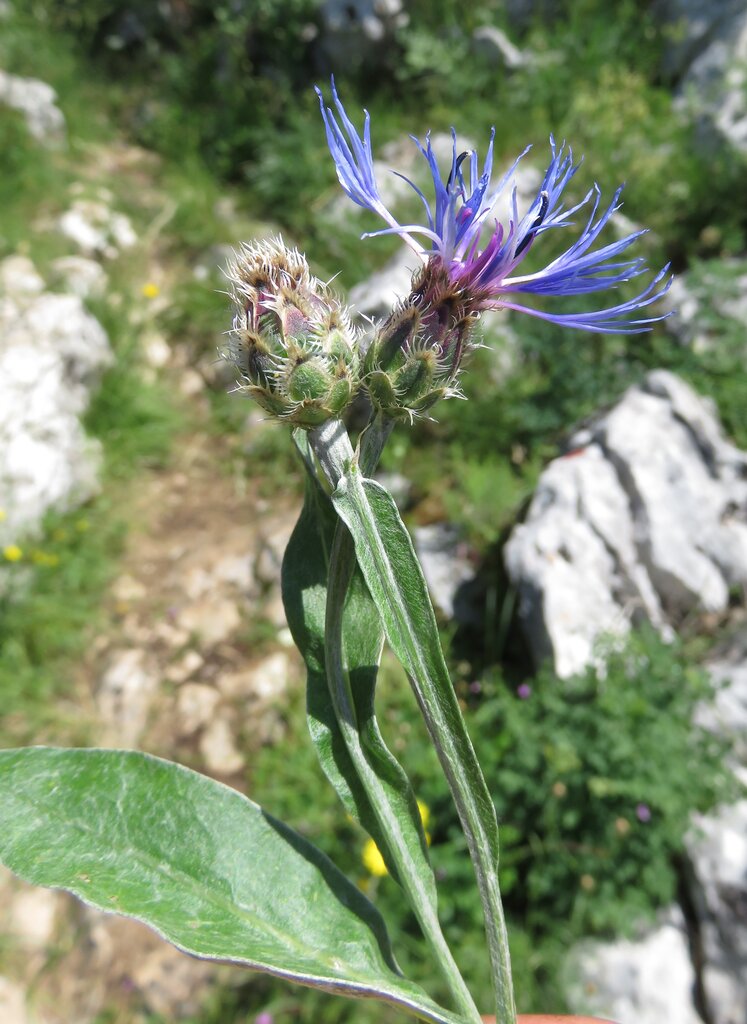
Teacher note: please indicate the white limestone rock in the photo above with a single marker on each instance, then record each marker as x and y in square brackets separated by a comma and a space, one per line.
[52, 354]
[378, 296]
[707, 55]
[645, 517]
[492, 44]
[649, 981]
[96, 229]
[726, 715]
[80, 276]
[125, 695]
[446, 564]
[718, 850]
[37, 102]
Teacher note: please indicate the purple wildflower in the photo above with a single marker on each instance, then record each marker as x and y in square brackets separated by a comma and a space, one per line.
[524, 691]
[461, 214]
[643, 812]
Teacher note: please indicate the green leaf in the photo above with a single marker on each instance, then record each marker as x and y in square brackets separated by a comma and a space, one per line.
[395, 580]
[203, 865]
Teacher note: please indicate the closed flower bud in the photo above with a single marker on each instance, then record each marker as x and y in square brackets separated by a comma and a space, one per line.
[291, 340]
[415, 358]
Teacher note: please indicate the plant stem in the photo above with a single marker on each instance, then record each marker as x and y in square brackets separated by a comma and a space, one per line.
[342, 565]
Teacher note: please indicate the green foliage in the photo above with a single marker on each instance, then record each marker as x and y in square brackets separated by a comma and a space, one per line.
[29, 180]
[48, 609]
[203, 865]
[568, 768]
[588, 779]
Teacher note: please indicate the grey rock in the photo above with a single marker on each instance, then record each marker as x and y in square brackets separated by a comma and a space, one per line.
[648, 981]
[727, 714]
[125, 695]
[718, 851]
[212, 618]
[398, 486]
[377, 296]
[52, 354]
[13, 1009]
[493, 44]
[355, 32]
[80, 276]
[195, 706]
[219, 750]
[96, 229]
[445, 562]
[18, 277]
[710, 302]
[645, 517]
[707, 56]
[37, 102]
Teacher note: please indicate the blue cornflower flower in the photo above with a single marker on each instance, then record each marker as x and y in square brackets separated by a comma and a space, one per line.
[459, 217]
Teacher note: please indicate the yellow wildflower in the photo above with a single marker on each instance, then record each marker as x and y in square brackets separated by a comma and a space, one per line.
[3, 515]
[425, 813]
[151, 290]
[12, 553]
[373, 862]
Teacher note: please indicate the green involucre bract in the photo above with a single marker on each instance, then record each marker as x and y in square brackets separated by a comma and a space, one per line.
[291, 339]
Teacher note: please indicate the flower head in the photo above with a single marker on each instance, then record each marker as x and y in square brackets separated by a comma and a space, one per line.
[459, 217]
[373, 861]
[291, 340]
[643, 813]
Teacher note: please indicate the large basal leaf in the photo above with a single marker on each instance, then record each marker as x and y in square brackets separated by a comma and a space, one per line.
[200, 863]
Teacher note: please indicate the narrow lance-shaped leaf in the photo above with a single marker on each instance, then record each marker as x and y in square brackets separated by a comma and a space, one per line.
[395, 579]
[198, 862]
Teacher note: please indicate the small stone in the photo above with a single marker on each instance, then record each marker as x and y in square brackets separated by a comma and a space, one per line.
[33, 914]
[18, 276]
[128, 590]
[96, 229]
[446, 566]
[125, 695]
[263, 682]
[218, 749]
[191, 383]
[37, 102]
[156, 350]
[211, 620]
[186, 666]
[12, 1003]
[492, 44]
[195, 705]
[80, 276]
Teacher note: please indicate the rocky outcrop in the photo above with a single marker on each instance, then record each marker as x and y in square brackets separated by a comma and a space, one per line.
[645, 516]
[706, 55]
[52, 355]
[718, 851]
[37, 103]
[649, 981]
